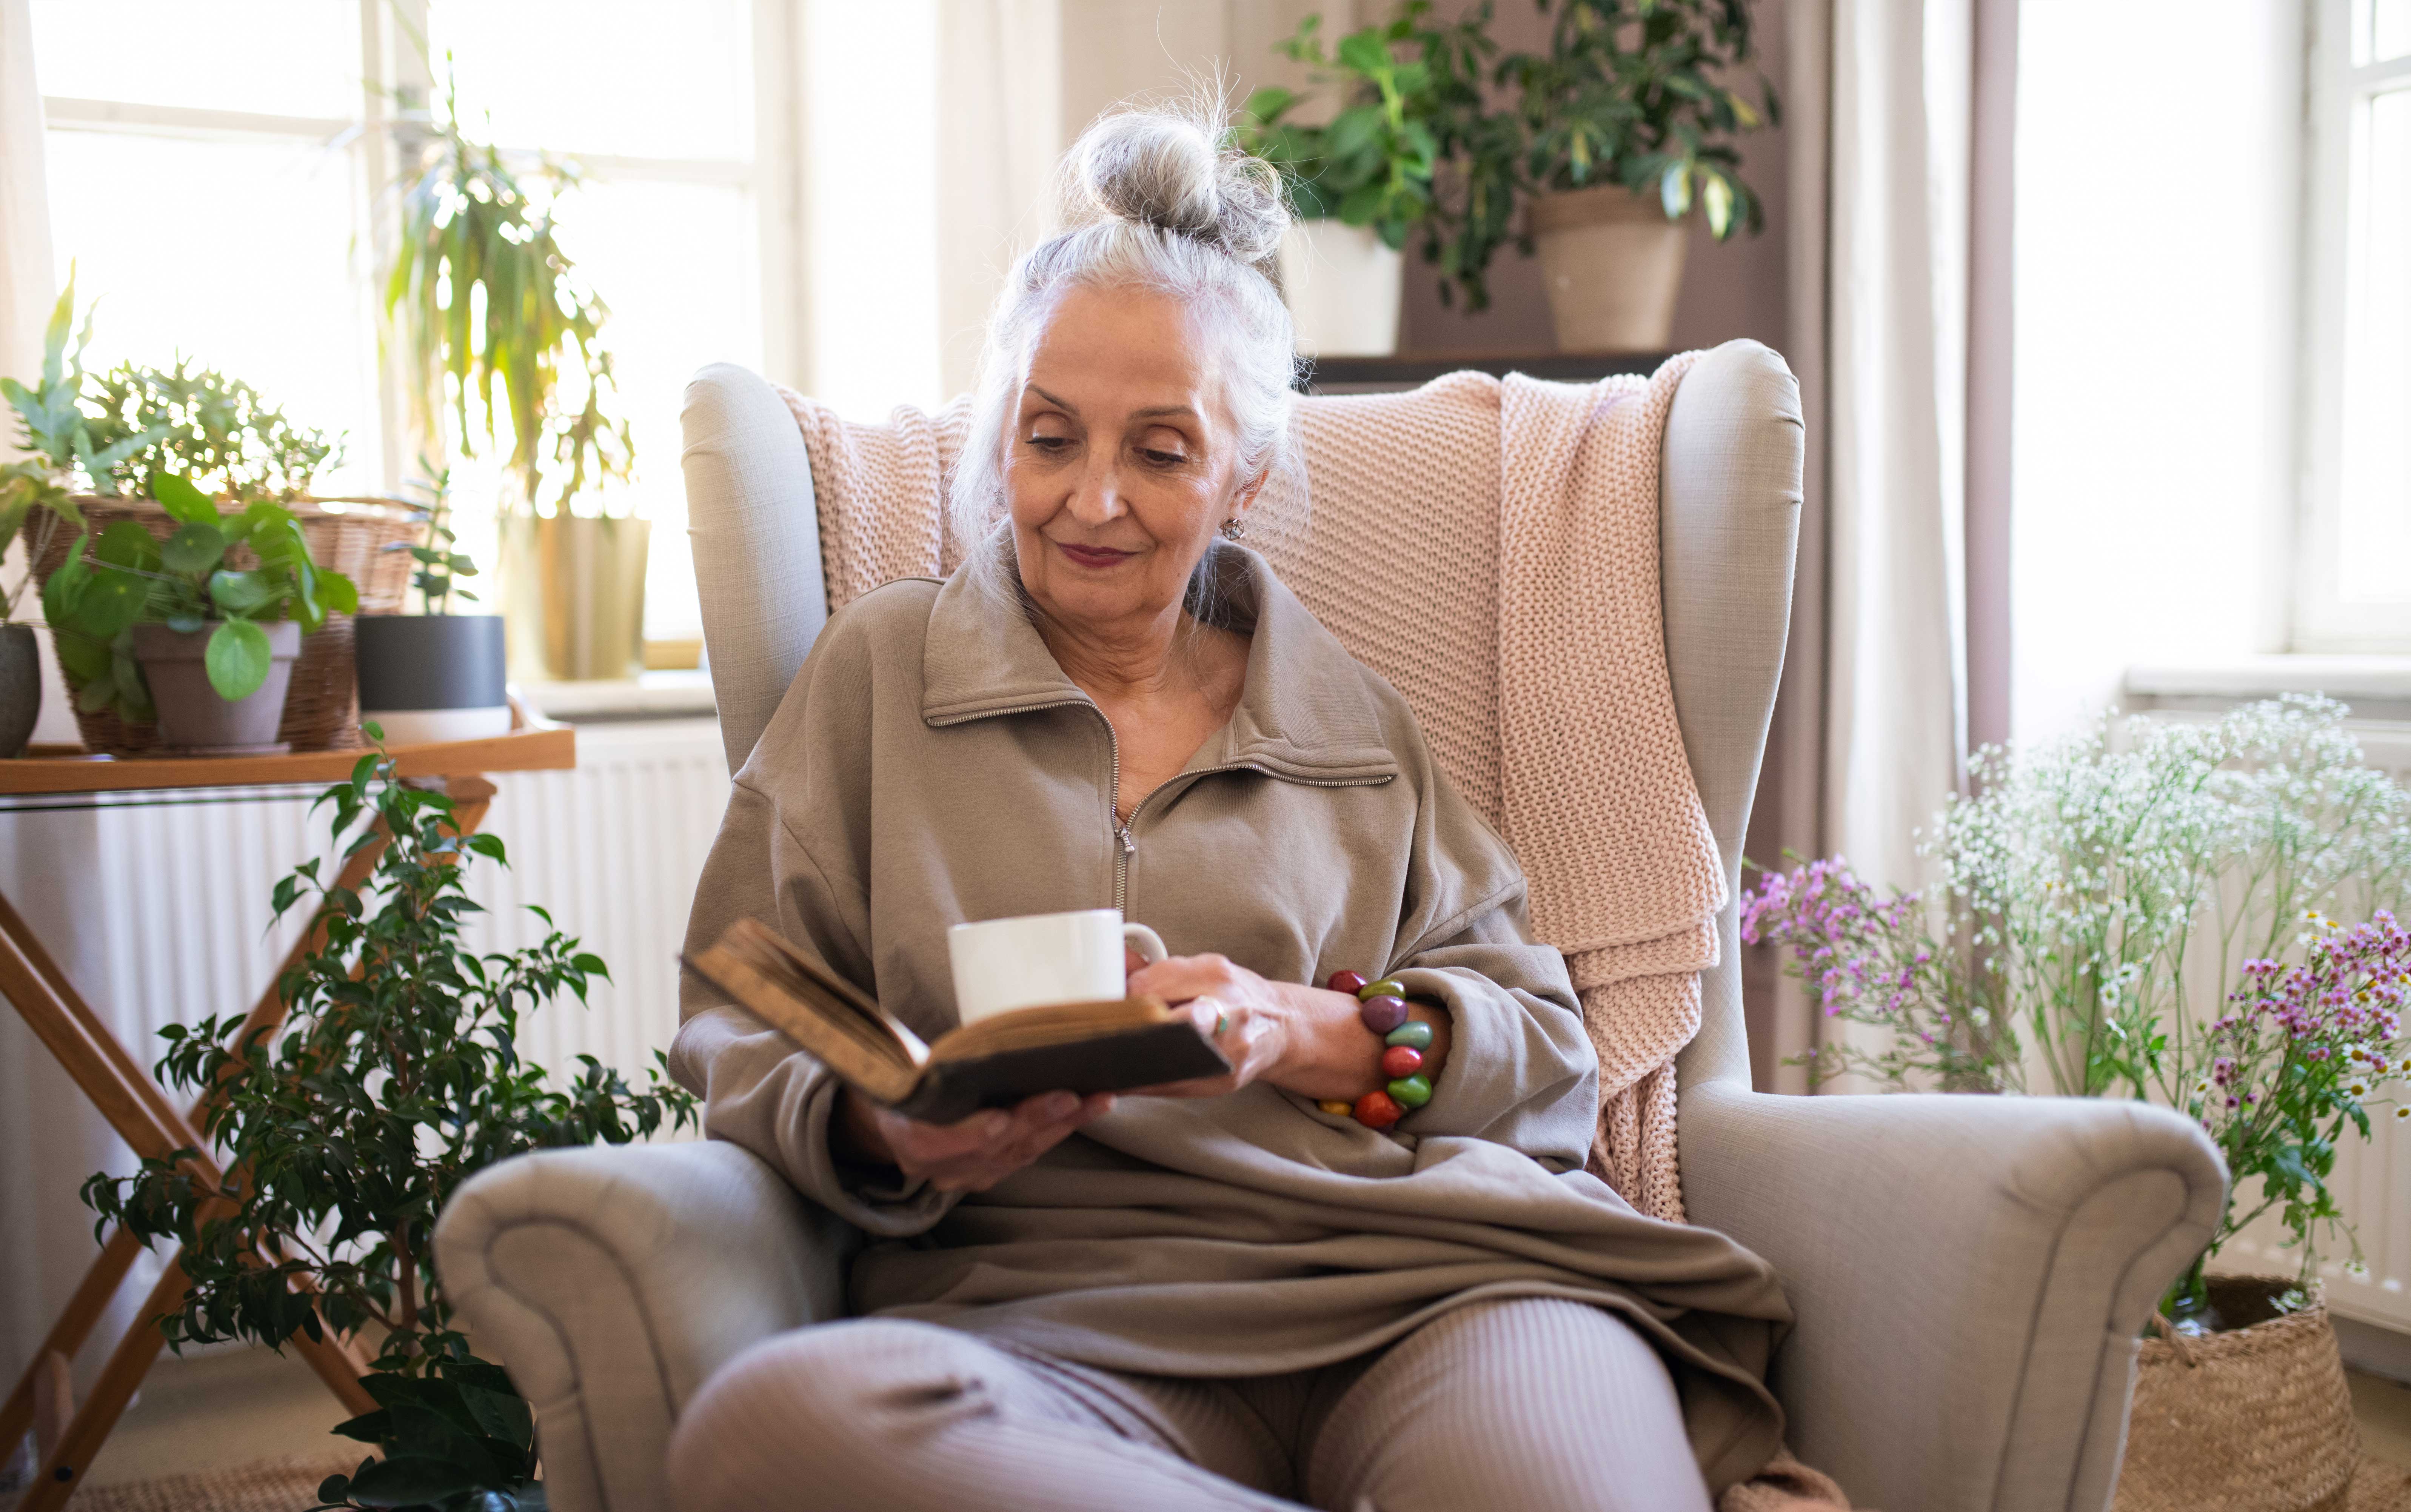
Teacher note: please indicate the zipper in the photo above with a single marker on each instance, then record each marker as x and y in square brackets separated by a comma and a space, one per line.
[1124, 846]
[1125, 843]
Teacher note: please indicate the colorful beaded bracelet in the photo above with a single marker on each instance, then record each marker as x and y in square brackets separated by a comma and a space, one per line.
[1382, 1008]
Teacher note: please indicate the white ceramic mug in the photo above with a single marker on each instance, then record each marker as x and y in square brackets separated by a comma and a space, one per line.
[1001, 964]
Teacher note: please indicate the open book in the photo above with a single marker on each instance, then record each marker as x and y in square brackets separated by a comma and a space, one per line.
[1059, 1047]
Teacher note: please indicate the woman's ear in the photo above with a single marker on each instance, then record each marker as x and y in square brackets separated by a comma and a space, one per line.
[1246, 497]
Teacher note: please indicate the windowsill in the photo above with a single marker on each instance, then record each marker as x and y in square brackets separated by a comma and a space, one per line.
[679, 695]
[2376, 687]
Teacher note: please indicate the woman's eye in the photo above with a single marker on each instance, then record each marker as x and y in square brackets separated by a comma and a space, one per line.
[1163, 459]
[1050, 442]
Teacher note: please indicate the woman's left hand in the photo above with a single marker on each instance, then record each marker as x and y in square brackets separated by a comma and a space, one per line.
[1235, 1008]
[1306, 1040]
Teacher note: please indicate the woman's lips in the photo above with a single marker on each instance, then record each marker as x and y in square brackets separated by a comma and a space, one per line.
[1093, 556]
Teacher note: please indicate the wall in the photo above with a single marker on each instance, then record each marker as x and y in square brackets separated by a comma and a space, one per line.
[2154, 326]
[1113, 50]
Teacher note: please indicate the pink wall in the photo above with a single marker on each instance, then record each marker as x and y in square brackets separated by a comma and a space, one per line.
[1737, 288]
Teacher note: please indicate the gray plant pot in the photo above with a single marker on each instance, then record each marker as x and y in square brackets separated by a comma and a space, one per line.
[20, 687]
[192, 719]
[431, 677]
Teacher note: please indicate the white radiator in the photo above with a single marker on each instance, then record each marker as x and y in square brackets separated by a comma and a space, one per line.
[611, 849]
[2373, 1181]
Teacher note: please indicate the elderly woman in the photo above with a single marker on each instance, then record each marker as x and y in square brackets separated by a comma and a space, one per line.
[1229, 1293]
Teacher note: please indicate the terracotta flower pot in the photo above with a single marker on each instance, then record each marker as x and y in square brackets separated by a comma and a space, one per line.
[2253, 1418]
[20, 687]
[1613, 264]
[192, 719]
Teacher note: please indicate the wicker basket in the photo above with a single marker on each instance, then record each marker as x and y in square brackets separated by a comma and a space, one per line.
[345, 536]
[2252, 1419]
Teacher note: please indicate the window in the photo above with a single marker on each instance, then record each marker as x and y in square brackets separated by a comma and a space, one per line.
[219, 174]
[2353, 574]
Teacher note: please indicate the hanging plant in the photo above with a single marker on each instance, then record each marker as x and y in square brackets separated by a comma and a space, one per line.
[493, 323]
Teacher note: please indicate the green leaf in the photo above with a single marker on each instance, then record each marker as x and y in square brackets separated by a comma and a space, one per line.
[1716, 198]
[1353, 133]
[501, 1414]
[126, 544]
[111, 602]
[338, 595]
[1363, 204]
[194, 550]
[1365, 51]
[183, 501]
[54, 336]
[1268, 104]
[1674, 190]
[244, 593]
[67, 585]
[237, 659]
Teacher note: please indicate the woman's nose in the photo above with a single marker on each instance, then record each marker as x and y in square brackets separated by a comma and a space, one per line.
[1098, 496]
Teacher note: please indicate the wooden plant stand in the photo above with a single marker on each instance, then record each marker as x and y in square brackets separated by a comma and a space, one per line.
[69, 1435]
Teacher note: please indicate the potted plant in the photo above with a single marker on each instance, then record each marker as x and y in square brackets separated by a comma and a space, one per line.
[1605, 143]
[434, 675]
[2149, 910]
[99, 444]
[28, 494]
[176, 631]
[1361, 183]
[484, 304]
[1627, 122]
[393, 1081]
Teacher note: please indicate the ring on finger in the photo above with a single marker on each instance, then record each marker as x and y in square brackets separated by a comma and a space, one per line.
[1221, 1022]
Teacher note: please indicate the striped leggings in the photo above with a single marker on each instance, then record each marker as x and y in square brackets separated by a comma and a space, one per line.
[1524, 1405]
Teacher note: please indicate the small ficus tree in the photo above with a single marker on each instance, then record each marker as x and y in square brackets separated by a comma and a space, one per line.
[394, 1079]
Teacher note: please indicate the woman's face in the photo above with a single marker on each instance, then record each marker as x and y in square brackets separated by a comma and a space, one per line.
[1121, 464]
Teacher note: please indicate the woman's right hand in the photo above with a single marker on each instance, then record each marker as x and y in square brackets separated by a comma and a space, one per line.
[968, 1156]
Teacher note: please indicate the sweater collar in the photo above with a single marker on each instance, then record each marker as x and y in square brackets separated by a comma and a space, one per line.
[1306, 713]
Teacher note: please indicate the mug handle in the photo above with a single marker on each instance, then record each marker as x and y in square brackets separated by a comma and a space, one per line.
[1148, 944]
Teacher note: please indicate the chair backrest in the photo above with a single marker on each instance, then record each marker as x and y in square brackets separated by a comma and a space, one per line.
[1729, 504]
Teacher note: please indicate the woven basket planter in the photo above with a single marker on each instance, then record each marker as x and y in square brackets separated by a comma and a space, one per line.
[2256, 1419]
[345, 536]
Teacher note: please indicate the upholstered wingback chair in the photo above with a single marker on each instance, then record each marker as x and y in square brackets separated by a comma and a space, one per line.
[1969, 1273]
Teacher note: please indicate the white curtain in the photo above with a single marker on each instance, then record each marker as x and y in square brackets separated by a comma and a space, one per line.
[1871, 733]
[50, 1137]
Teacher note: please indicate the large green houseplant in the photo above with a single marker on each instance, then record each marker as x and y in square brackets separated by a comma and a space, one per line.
[1629, 118]
[504, 343]
[396, 1077]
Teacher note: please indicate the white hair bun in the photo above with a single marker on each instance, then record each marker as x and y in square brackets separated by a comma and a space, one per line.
[1172, 170]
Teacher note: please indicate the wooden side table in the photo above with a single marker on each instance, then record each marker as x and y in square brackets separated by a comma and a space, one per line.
[139, 1109]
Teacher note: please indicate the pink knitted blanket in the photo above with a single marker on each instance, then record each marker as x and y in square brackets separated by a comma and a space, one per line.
[1491, 548]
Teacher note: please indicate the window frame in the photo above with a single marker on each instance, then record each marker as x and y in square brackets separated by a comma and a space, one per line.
[2321, 621]
[396, 83]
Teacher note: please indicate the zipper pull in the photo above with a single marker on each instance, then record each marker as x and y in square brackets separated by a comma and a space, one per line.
[1121, 833]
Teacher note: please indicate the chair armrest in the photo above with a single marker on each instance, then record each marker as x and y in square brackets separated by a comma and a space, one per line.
[612, 1281]
[1968, 1274]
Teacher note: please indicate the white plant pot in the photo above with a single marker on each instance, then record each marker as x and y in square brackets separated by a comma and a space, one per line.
[1343, 285]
